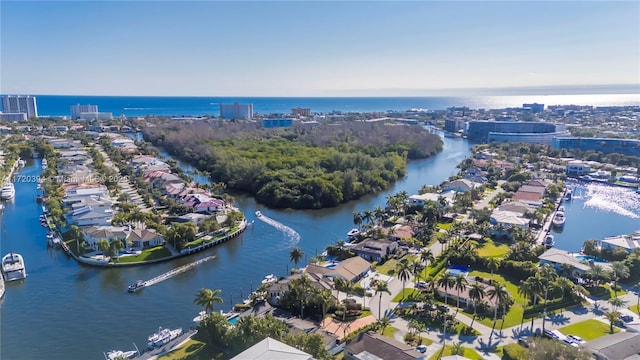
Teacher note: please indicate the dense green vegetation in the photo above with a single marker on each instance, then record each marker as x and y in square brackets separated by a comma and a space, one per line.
[300, 167]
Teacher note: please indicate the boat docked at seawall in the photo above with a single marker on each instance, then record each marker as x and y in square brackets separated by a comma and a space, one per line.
[201, 316]
[13, 267]
[163, 337]
[119, 354]
[351, 235]
[269, 279]
[549, 241]
[8, 192]
[558, 219]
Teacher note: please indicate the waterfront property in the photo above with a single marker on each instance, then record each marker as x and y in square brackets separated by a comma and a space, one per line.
[351, 269]
[375, 250]
[369, 345]
[272, 349]
[559, 258]
[625, 242]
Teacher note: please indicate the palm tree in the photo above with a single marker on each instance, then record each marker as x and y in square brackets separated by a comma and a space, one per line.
[379, 214]
[383, 323]
[457, 349]
[295, 255]
[381, 286]
[115, 247]
[613, 317]
[460, 283]
[403, 270]
[103, 245]
[367, 216]
[597, 273]
[476, 294]
[338, 284]
[325, 298]
[207, 298]
[527, 290]
[500, 295]
[426, 256]
[416, 268]
[617, 302]
[357, 218]
[619, 271]
[493, 264]
[446, 281]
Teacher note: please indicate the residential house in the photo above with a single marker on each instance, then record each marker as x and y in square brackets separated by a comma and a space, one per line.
[421, 199]
[144, 238]
[577, 168]
[94, 234]
[556, 258]
[351, 269]
[399, 232]
[508, 219]
[159, 179]
[620, 346]
[272, 349]
[318, 281]
[375, 250]
[369, 346]
[460, 185]
[530, 194]
[625, 242]
[465, 299]
[516, 207]
[91, 216]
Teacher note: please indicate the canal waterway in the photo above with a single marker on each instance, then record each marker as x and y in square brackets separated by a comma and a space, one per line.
[68, 311]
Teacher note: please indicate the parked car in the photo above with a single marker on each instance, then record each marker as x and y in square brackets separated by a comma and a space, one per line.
[569, 342]
[626, 318]
[421, 284]
[421, 349]
[550, 334]
[443, 308]
[576, 339]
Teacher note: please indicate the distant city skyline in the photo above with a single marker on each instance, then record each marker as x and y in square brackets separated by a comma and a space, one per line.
[319, 48]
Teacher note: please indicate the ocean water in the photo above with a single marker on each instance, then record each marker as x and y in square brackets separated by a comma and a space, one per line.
[55, 105]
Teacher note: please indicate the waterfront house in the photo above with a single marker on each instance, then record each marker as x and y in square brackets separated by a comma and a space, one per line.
[94, 234]
[318, 281]
[530, 194]
[516, 207]
[369, 345]
[61, 143]
[508, 219]
[398, 232]
[625, 242]
[272, 349]
[375, 250]
[91, 215]
[420, 200]
[144, 238]
[460, 185]
[351, 269]
[159, 179]
[557, 257]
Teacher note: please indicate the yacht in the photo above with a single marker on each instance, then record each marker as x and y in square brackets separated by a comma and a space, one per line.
[8, 191]
[137, 286]
[258, 214]
[353, 233]
[561, 208]
[163, 337]
[201, 316]
[13, 267]
[269, 279]
[568, 195]
[558, 219]
[549, 241]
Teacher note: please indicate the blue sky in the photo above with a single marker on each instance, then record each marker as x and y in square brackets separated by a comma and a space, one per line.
[313, 48]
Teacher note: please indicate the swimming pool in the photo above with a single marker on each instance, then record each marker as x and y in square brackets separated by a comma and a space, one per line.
[588, 258]
[456, 270]
[233, 320]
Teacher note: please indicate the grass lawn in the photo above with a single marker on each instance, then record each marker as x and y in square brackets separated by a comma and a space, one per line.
[514, 315]
[389, 331]
[191, 350]
[613, 293]
[154, 253]
[588, 329]
[388, 268]
[490, 249]
[634, 308]
[604, 292]
[409, 294]
[445, 226]
[468, 353]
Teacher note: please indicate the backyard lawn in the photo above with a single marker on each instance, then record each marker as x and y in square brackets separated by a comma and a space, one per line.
[468, 353]
[154, 253]
[588, 329]
[514, 315]
[191, 350]
[490, 249]
[388, 268]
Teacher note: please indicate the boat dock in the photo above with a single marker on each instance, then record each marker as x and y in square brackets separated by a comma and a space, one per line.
[176, 271]
[172, 345]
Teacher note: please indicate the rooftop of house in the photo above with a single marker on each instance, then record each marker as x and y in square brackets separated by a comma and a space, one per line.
[382, 347]
[559, 256]
[377, 246]
[516, 206]
[352, 267]
[509, 217]
[623, 241]
[620, 346]
[271, 349]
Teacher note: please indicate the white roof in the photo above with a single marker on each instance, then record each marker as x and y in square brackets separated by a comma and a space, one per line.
[622, 241]
[558, 256]
[271, 349]
[509, 217]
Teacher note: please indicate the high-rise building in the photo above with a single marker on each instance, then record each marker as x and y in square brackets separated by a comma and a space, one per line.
[301, 112]
[20, 104]
[78, 109]
[236, 111]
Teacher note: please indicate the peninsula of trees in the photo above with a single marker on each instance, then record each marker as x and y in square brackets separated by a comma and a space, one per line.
[302, 167]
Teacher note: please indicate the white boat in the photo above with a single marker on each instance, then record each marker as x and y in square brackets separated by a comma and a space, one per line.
[258, 213]
[558, 219]
[269, 279]
[119, 354]
[137, 286]
[353, 233]
[568, 195]
[201, 316]
[22, 162]
[13, 267]
[549, 242]
[561, 208]
[8, 192]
